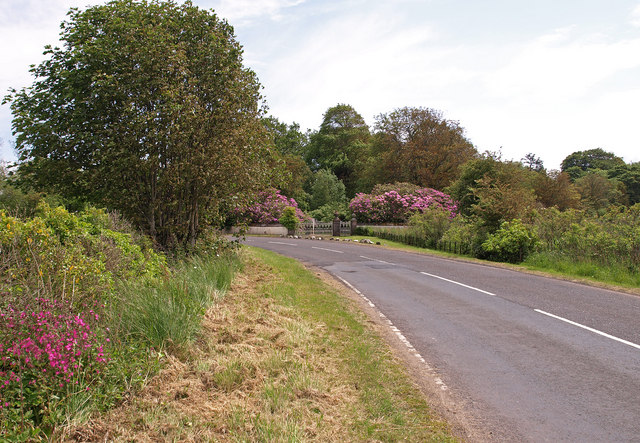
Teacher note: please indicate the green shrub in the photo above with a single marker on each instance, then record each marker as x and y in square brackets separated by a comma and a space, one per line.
[468, 234]
[431, 224]
[612, 239]
[288, 219]
[511, 243]
[327, 213]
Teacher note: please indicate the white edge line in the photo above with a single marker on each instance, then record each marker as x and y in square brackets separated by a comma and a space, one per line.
[398, 333]
[458, 283]
[325, 249]
[595, 331]
[282, 243]
[349, 284]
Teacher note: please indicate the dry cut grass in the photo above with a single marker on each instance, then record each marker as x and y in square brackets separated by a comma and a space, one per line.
[281, 358]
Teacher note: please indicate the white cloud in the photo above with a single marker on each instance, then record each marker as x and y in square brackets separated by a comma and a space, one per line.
[557, 67]
[372, 60]
[635, 16]
[241, 10]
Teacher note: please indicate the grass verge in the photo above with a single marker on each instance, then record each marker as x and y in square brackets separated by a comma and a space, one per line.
[612, 275]
[282, 357]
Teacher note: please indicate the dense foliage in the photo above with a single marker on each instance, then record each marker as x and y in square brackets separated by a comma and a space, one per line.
[58, 274]
[511, 243]
[581, 162]
[147, 109]
[340, 145]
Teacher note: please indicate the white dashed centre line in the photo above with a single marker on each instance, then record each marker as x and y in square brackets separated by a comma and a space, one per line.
[282, 243]
[595, 331]
[325, 249]
[458, 283]
[380, 261]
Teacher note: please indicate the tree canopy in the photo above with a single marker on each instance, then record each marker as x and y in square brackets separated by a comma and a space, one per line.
[148, 109]
[340, 145]
[494, 191]
[581, 162]
[629, 175]
[418, 145]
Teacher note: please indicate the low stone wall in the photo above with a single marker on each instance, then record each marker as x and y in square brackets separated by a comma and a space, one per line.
[262, 230]
[381, 226]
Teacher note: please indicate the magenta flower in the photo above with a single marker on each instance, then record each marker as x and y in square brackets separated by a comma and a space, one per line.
[391, 207]
[267, 208]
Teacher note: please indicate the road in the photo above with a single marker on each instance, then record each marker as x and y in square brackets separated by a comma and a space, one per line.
[536, 359]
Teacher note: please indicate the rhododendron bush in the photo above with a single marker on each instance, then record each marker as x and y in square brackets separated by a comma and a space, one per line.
[267, 208]
[392, 207]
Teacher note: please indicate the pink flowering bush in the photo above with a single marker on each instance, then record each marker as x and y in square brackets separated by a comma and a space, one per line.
[267, 208]
[44, 347]
[392, 207]
[58, 272]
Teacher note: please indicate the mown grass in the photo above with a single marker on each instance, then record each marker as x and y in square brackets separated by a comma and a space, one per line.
[282, 357]
[387, 406]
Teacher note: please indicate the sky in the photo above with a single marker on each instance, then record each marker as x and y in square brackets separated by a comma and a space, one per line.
[548, 77]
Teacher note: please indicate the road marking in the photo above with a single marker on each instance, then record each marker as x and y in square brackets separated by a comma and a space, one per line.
[282, 243]
[604, 334]
[400, 336]
[350, 285]
[325, 249]
[458, 283]
[375, 259]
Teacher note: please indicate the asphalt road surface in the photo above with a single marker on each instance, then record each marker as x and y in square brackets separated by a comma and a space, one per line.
[535, 358]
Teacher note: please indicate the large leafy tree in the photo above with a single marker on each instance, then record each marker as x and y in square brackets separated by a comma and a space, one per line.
[579, 163]
[418, 145]
[340, 145]
[597, 192]
[148, 109]
[554, 189]
[326, 188]
[290, 143]
[287, 139]
[494, 191]
[629, 175]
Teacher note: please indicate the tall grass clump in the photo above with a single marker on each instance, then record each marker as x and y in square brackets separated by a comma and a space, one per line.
[169, 312]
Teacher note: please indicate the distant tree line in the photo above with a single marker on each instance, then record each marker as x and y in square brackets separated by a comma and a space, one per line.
[418, 146]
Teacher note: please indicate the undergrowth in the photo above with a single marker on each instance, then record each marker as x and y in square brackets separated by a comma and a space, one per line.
[71, 286]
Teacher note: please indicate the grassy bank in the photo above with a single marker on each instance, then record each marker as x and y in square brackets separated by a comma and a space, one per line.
[282, 357]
